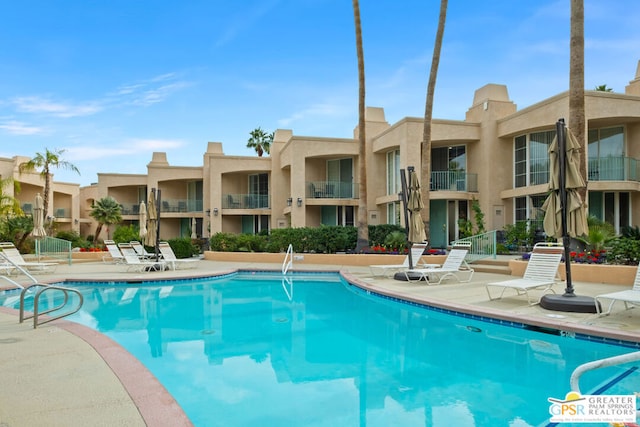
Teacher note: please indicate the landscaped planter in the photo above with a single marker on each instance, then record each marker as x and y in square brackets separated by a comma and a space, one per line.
[593, 273]
[305, 258]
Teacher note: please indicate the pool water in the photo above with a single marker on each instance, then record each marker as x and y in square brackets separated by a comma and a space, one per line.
[254, 349]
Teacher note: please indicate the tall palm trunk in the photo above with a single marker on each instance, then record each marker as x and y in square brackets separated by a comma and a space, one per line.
[363, 225]
[425, 147]
[576, 85]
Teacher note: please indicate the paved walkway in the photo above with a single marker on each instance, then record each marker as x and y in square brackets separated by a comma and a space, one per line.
[64, 374]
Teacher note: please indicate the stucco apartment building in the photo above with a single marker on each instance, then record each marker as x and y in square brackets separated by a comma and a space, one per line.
[497, 156]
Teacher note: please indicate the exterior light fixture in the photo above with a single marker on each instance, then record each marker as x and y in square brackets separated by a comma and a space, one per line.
[215, 211]
[208, 212]
[289, 201]
[299, 201]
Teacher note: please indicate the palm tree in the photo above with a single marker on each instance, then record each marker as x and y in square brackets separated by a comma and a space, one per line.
[260, 141]
[428, 111]
[363, 225]
[9, 205]
[603, 88]
[44, 163]
[106, 211]
[576, 84]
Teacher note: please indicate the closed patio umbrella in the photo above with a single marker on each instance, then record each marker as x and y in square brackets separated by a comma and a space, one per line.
[565, 213]
[143, 220]
[416, 233]
[38, 218]
[152, 221]
[194, 235]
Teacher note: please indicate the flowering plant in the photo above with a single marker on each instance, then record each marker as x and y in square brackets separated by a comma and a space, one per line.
[593, 256]
[92, 250]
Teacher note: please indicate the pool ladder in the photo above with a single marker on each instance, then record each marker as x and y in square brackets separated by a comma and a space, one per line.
[36, 301]
[287, 264]
[602, 363]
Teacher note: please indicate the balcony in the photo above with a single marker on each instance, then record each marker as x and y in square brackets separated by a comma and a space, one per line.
[180, 205]
[613, 169]
[332, 190]
[454, 181]
[246, 201]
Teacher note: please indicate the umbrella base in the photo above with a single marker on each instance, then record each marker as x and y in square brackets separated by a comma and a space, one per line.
[574, 304]
[413, 277]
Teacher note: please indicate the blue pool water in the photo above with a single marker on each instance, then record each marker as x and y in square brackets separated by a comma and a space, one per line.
[252, 349]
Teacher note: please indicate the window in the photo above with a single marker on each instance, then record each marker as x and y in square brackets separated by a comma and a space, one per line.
[531, 158]
[393, 172]
[258, 191]
[393, 213]
[606, 154]
[448, 168]
[520, 158]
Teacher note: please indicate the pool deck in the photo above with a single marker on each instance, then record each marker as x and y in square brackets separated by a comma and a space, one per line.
[64, 374]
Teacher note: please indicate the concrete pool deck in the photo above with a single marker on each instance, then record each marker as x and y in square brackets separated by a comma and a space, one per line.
[64, 374]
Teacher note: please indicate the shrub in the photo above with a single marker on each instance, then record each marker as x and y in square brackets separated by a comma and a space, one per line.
[126, 233]
[625, 250]
[74, 238]
[183, 247]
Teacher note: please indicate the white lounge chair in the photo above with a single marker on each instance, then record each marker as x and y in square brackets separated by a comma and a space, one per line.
[14, 257]
[170, 258]
[454, 266]
[114, 255]
[630, 297]
[140, 250]
[541, 272]
[417, 249]
[134, 263]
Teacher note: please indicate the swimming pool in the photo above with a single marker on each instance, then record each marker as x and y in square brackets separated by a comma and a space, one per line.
[255, 349]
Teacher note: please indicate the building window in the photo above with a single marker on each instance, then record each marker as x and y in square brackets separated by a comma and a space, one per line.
[531, 158]
[448, 168]
[521, 213]
[606, 154]
[393, 172]
[393, 213]
[520, 161]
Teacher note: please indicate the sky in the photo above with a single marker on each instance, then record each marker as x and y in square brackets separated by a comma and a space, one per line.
[111, 82]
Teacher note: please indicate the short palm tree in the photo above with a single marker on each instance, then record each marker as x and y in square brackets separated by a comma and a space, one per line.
[44, 163]
[9, 205]
[106, 211]
[260, 141]
[603, 88]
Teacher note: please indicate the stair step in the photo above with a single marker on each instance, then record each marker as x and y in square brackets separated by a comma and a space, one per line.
[491, 268]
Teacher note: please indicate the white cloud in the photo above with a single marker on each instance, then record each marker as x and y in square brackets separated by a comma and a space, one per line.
[129, 148]
[37, 105]
[14, 127]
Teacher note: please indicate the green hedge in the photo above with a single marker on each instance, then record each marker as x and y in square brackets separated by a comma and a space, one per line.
[323, 239]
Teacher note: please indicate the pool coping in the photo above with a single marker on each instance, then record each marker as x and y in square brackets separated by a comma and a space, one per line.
[156, 405]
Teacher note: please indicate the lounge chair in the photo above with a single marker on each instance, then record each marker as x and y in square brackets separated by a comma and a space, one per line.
[417, 249]
[454, 266]
[541, 272]
[14, 257]
[114, 255]
[630, 297]
[134, 263]
[170, 258]
[140, 250]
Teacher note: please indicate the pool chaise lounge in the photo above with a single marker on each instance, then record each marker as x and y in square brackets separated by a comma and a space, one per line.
[114, 256]
[630, 297]
[134, 263]
[172, 261]
[541, 273]
[417, 249]
[13, 256]
[454, 266]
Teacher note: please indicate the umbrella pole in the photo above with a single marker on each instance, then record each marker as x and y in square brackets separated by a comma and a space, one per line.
[566, 241]
[157, 247]
[403, 182]
[569, 301]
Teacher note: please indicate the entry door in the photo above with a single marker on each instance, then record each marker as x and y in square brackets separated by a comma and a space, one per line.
[340, 172]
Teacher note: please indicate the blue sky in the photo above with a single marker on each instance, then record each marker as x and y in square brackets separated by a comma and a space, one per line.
[113, 81]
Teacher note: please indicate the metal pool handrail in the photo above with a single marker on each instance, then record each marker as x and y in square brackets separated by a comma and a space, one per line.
[37, 313]
[288, 260]
[602, 363]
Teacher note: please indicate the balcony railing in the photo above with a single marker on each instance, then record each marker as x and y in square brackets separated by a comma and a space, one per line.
[454, 181]
[180, 205]
[614, 169]
[246, 201]
[332, 190]
[61, 213]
